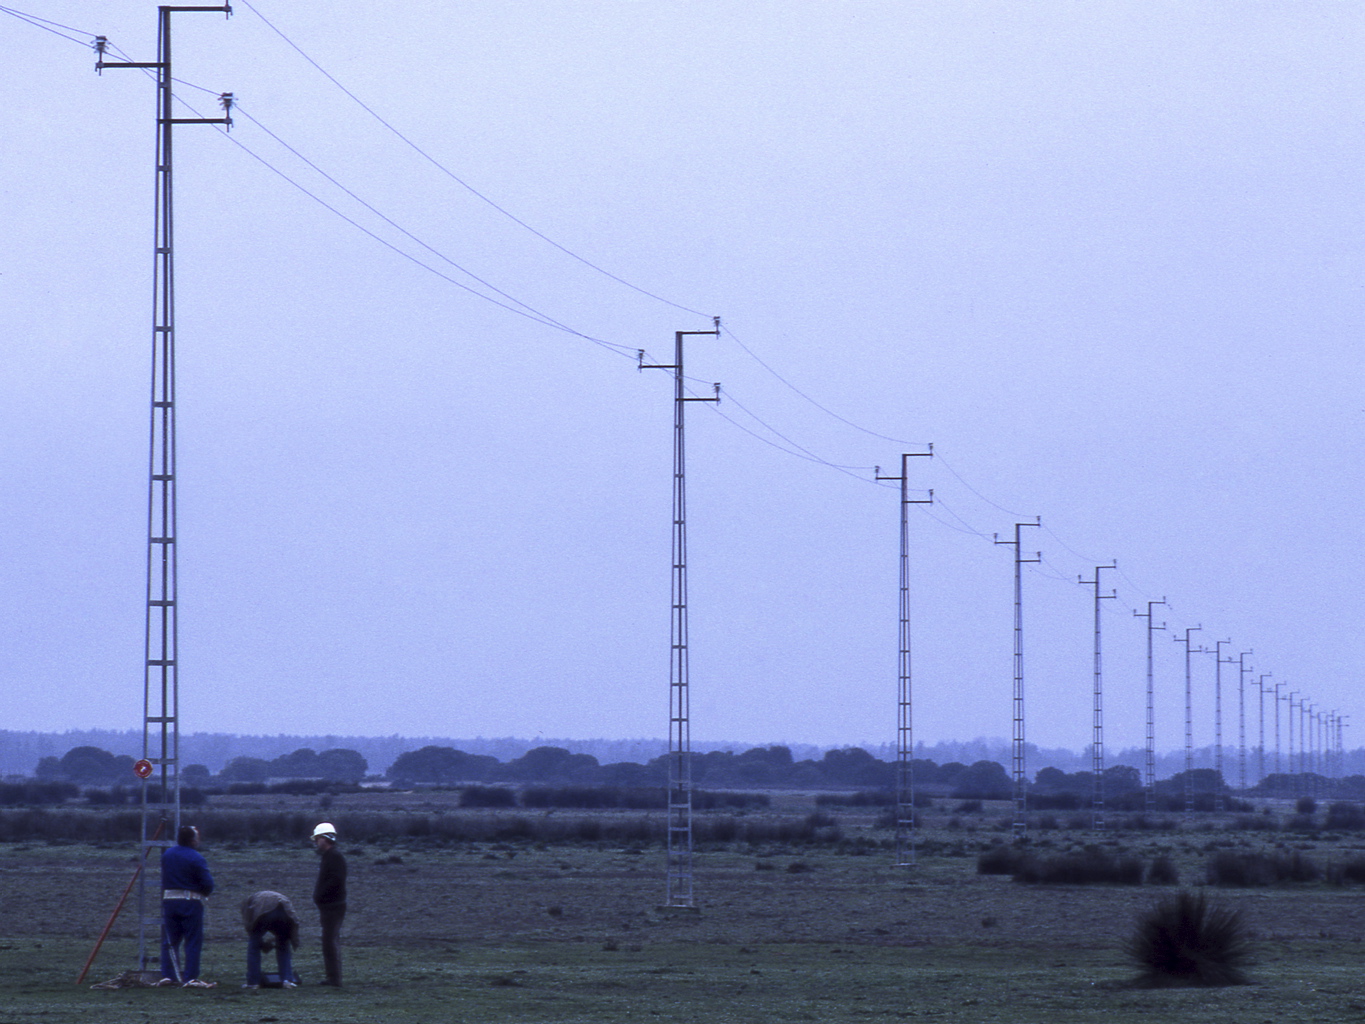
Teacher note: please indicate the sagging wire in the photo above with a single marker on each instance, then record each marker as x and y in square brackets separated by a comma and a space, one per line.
[533, 316]
[460, 181]
[47, 25]
[795, 448]
[546, 318]
[729, 332]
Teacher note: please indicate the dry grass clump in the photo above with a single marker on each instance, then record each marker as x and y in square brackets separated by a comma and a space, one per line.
[1186, 941]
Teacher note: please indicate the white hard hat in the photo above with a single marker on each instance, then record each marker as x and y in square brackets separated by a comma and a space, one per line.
[327, 829]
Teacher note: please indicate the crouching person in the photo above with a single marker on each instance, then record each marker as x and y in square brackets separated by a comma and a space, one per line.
[270, 914]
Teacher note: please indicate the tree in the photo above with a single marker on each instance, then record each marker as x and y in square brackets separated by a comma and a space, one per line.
[984, 780]
[93, 766]
[854, 766]
[301, 764]
[341, 765]
[433, 764]
[551, 764]
[245, 769]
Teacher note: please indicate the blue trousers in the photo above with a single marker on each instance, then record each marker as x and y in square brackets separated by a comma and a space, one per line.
[181, 921]
[283, 953]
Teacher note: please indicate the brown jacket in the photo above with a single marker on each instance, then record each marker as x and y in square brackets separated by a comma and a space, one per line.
[257, 906]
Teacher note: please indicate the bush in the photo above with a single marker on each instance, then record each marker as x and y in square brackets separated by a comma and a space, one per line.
[1245, 870]
[32, 794]
[1091, 866]
[1162, 871]
[1186, 941]
[1254, 823]
[1306, 805]
[1350, 870]
[1344, 817]
[999, 860]
[488, 796]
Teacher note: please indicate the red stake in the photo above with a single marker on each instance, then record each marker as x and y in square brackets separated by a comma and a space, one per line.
[124, 899]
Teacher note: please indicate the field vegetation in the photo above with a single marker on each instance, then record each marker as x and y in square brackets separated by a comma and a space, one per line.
[476, 913]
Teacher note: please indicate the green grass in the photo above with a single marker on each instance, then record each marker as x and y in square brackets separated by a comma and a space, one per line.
[569, 982]
[525, 933]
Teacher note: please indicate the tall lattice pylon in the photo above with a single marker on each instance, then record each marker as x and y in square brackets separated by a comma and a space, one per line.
[905, 717]
[1097, 711]
[161, 679]
[1019, 767]
[679, 887]
[1149, 765]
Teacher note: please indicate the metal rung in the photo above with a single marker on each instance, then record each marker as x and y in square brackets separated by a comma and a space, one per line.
[162, 604]
[163, 719]
[164, 664]
[161, 540]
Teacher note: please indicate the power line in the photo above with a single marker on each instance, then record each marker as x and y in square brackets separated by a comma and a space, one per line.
[824, 409]
[534, 316]
[460, 181]
[51, 26]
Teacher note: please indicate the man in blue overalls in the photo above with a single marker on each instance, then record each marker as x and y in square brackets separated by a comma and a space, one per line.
[185, 884]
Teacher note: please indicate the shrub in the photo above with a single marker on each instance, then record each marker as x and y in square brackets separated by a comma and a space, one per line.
[1257, 869]
[1162, 871]
[1253, 823]
[704, 800]
[35, 793]
[1344, 817]
[1187, 941]
[1306, 805]
[1091, 866]
[1350, 870]
[999, 860]
[488, 796]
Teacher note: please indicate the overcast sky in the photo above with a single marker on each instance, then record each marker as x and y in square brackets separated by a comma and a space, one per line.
[1105, 256]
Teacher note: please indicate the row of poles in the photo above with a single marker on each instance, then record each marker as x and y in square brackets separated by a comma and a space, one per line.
[1320, 733]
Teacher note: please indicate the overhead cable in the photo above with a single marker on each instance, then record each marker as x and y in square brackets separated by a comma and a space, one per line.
[460, 181]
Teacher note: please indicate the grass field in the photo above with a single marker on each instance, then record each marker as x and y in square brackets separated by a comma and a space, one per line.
[519, 932]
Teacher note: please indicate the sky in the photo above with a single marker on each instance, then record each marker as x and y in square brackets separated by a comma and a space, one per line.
[1105, 257]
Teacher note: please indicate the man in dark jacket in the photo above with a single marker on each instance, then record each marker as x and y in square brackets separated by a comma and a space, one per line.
[185, 884]
[330, 896]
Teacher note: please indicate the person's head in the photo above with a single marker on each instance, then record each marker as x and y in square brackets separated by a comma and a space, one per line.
[324, 836]
[187, 836]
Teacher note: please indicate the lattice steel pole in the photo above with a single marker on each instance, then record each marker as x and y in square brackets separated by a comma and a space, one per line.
[161, 679]
[1097, 713]
[1189, 721]
[1149, 768]
[678, 886]
[1260, 704]
[905, 733]
[1017, 750]
[1242, 670]
[1218, 722]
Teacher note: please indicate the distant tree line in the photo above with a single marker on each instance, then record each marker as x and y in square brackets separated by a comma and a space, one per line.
[772, 767]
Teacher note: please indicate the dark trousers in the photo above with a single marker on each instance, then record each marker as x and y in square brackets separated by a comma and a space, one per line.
[181, 921]
[276, 924]
[332, 914]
